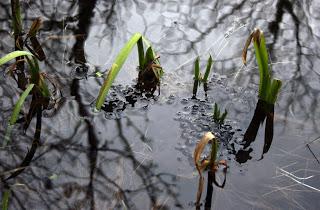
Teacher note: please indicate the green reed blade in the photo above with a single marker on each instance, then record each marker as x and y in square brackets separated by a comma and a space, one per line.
[208, 69]
[197, 69]
[141, 53]
[262, 60]
[13, 55]
[16, 17]
[19, 104]
[116, 66]
[223, 117]
[149, 56]
[195, 88]
[214, 151]
[274, 91]
[148, 44]
[34, 71]
[145, 41]
[37, 78]
[215, 112]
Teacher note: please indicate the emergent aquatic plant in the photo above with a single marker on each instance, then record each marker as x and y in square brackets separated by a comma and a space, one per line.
[210, 163]
[268, 87]
[150, 70]
[217, 116]
[37, 82]
[198, 79]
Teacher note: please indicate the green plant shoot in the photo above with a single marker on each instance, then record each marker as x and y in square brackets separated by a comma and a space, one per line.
[144, 60]
[15, 113]
[19, 104]
[208, 69]
[216, 114]
[268, 88]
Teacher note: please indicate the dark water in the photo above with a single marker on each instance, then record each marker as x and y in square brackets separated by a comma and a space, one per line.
[137, 153]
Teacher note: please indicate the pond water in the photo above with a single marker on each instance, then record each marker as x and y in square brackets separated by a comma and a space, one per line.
[137, 153]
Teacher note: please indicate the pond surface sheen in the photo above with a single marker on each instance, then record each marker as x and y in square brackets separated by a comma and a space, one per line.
[137, 153]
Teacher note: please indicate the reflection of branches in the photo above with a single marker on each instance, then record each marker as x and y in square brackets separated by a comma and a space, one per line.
[83, 158]
[300, 86]
[98, 182]
[35, 143]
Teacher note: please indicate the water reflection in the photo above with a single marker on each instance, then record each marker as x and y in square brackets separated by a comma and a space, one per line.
[181, 30]
[263, 112]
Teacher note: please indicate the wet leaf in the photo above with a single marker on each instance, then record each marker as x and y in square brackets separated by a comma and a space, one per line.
[274, 91]
[149, 59]
[200, 165]
[13, 55]
[19, 104]
[200, 189]
[120, 59]
[141, 53]
[245, 49]
[262, 60]
[36, 48]
[36, 24]
[116, 66]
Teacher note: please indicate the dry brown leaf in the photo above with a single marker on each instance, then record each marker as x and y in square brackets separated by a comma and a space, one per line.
[245, 49]
[200, 189]
[36, 24]
[255, 36]
[199, 149]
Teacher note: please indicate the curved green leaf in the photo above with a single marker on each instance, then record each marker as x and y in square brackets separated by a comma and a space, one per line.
[13, 55]
[116, 66]
[19, 104]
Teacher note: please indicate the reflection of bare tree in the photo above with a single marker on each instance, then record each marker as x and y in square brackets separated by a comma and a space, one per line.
[305, 93]
[97, 181]
[83, 158]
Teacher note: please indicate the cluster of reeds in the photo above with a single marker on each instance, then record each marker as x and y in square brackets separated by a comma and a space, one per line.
[31, 80]
[268, 87]
[268, 92]
[150, 70]
[198, 78]
[36, 84]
